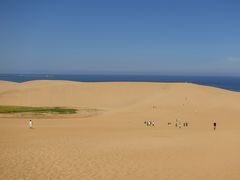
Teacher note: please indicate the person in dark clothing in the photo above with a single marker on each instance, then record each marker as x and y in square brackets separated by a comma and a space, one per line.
[214, 126]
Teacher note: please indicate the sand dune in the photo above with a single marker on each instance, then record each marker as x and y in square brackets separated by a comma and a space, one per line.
[115, 144]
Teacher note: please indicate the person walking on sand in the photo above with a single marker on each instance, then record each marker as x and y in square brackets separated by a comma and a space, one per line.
[149, 123]
[214, 126]
[180, 125]
[30, 124]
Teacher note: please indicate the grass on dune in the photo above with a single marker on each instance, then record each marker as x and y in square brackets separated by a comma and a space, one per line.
[41, 110]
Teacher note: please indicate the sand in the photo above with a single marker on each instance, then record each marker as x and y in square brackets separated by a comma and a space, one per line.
[115, 143]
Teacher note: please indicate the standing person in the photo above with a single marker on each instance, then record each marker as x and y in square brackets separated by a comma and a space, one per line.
[148, 123]
[214, 126]
[153, 123]
[30, 124]
[180, 125]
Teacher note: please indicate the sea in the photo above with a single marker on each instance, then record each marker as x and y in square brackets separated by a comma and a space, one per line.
[228, 83]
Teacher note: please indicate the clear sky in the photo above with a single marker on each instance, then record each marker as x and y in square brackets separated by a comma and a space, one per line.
[120, 36]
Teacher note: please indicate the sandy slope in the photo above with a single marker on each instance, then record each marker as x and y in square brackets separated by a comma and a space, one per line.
[116, 144]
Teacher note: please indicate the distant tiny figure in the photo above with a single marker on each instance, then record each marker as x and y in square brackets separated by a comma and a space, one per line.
[153, 123]
[186, 124]
[30, 124]
[148, 123]
[180, 125]
[214, 126]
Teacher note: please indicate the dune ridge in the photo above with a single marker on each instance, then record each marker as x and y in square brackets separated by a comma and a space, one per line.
[116, 144]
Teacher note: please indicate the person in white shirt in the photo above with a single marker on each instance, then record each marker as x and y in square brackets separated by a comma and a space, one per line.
[30, 124]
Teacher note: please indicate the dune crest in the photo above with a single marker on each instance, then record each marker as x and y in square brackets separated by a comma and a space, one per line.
[116, 144]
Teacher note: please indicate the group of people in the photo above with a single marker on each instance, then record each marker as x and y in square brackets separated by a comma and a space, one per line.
[179, 124]
[149, 123]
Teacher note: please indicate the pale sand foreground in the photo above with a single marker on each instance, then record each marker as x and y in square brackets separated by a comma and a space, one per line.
[115, 144]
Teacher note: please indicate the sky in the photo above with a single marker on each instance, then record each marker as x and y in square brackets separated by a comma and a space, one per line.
[187, 37]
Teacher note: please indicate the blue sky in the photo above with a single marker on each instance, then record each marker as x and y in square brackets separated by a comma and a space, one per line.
[124, 36]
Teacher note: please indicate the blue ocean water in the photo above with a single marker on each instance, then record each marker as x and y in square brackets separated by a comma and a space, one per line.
[229, 83]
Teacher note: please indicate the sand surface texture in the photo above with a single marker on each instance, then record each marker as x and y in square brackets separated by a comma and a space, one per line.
[114, 143]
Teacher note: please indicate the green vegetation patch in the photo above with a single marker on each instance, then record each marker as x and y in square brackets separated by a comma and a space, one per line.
[24, 109]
